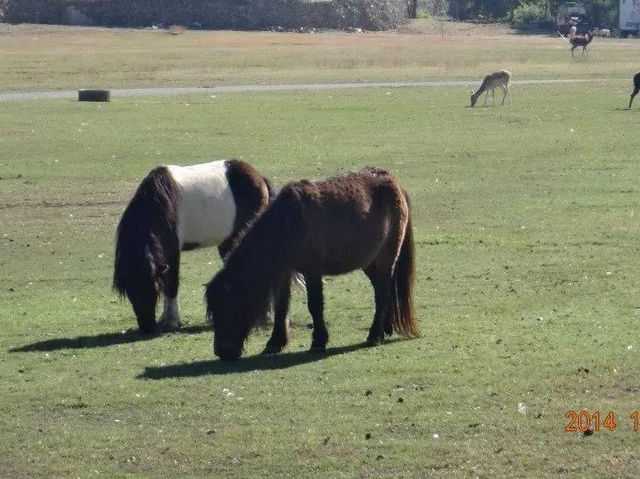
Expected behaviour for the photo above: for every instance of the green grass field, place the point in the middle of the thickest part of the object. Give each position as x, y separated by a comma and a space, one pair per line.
527, 291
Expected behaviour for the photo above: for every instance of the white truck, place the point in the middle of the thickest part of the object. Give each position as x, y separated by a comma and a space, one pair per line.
629, 17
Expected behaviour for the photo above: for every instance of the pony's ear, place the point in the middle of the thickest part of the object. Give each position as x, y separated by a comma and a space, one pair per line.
156, 270
153, 270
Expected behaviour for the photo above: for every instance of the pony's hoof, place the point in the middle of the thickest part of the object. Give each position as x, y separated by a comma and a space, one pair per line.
148, 330
388, 329
318, 349
374, 342
168, 327
270, 350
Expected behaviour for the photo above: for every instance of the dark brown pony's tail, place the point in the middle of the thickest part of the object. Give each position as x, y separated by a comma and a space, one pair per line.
402, 312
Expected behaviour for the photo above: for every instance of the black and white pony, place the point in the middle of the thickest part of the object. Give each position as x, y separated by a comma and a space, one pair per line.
180, 208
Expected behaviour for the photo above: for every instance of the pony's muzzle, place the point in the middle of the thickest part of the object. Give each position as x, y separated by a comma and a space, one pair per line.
147, 327
226, 352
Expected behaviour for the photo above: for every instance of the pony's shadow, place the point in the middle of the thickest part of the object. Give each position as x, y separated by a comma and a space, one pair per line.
214, 367
100, 340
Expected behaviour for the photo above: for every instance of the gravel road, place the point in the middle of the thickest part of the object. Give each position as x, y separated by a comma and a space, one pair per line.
48, 95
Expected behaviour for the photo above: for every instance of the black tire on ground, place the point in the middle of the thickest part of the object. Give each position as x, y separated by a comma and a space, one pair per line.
94, 95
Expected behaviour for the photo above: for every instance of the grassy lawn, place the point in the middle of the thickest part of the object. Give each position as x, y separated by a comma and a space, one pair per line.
526, 244
53, 58
526, 238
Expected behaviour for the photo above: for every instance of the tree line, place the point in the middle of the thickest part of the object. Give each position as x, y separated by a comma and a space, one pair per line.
602, 13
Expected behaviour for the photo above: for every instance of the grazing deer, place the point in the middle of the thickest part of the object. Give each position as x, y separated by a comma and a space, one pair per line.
492, 81
636, 88
581, 42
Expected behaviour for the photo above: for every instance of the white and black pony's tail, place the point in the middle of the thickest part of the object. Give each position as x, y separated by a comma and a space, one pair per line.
146, 235
270, 189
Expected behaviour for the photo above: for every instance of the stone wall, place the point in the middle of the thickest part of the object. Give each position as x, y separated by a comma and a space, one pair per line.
212, 14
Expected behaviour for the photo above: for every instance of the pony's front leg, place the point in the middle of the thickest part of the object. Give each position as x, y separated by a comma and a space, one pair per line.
315, 300
280, 333
170, 318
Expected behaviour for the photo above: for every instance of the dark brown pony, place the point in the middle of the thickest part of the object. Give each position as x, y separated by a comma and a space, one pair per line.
355, 221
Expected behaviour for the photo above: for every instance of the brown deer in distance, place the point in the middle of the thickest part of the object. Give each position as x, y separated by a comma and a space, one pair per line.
492, 81
581, 42
636, 88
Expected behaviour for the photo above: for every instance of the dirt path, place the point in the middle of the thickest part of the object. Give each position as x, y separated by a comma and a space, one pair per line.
48, 95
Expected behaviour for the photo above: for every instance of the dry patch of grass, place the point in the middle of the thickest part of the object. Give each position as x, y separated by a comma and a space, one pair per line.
36, 57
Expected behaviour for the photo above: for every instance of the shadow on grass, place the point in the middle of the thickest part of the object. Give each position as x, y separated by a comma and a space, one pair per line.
100, 340
251, 363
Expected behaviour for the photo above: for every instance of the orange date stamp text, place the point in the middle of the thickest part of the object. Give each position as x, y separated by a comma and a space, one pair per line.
586, 422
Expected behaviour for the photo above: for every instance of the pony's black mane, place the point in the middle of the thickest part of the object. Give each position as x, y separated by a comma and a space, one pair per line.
267, 244
148, 224
264, 252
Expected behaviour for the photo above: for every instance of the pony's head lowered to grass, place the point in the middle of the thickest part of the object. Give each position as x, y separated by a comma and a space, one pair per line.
145, 235
234, 306
240, 294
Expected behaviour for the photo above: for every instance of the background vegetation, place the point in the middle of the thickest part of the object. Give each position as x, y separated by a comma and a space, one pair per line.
525, 13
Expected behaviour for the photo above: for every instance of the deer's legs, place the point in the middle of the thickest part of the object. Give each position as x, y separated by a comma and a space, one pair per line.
633, 94
486, 97
505, 93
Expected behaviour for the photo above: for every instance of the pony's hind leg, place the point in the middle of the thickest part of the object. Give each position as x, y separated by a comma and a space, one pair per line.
381, 282
170, 318
320, 335
280, 333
